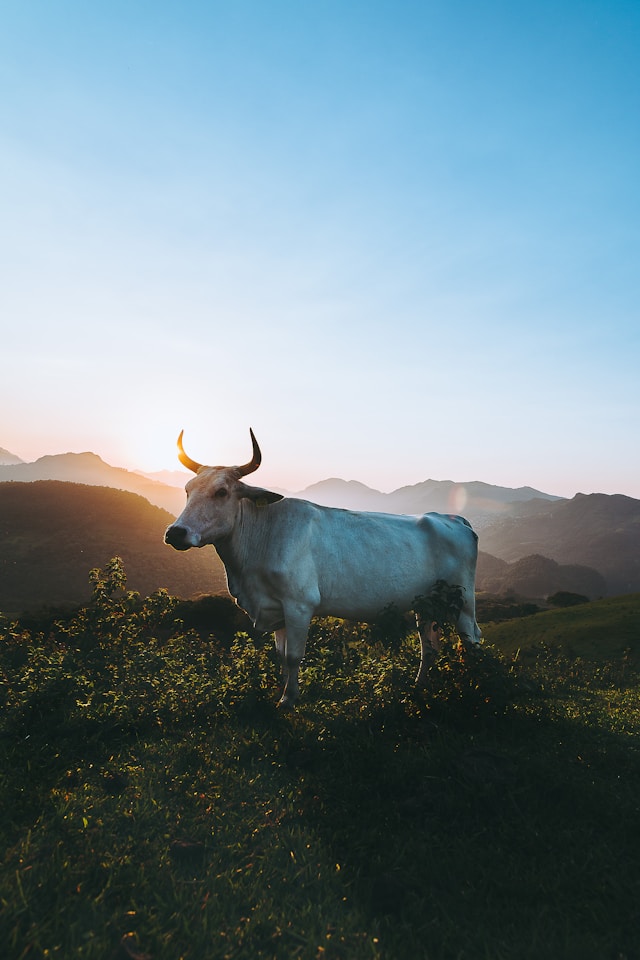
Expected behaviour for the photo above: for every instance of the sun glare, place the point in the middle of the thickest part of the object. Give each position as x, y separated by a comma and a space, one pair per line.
458, 499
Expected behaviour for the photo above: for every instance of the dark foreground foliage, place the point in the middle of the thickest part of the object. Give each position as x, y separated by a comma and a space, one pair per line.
156, 804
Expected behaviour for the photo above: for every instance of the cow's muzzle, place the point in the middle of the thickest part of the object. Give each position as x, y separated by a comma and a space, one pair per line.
177, 537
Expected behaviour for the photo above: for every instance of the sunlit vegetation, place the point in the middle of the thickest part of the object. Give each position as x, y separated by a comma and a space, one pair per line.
157, 804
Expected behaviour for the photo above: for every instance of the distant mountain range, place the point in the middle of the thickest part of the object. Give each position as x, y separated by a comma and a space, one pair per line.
532, 544
597, 530
90, 469
479, 502
7, 458
172, 478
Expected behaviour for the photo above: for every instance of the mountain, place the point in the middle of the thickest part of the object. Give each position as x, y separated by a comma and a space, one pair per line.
536, 577
596, 530
90, 469
52, 533
480, 503
7, 458
597, 534
347, 494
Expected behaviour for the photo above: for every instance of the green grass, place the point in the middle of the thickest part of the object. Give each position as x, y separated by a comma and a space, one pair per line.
600, 631
155, 802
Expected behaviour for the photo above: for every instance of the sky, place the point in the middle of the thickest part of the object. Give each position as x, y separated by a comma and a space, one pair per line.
400, 240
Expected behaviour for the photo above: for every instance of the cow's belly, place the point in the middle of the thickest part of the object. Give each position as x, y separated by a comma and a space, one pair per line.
359, 593
356, 568
368, 606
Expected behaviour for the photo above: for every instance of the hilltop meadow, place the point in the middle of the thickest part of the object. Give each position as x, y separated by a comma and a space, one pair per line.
156, 804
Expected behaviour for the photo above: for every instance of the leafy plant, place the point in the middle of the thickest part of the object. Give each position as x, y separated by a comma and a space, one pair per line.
441, 605
471, 680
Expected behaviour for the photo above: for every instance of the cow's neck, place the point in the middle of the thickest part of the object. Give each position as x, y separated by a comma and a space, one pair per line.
236, 552
236, 549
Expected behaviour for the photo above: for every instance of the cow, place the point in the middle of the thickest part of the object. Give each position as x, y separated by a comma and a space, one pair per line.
288, 560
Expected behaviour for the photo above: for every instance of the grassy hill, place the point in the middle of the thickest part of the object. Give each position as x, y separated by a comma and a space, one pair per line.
603, 630
53, 532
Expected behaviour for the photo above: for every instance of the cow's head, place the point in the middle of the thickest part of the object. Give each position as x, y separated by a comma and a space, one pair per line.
213, 500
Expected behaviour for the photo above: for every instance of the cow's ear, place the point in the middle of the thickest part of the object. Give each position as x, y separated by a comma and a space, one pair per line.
259, 496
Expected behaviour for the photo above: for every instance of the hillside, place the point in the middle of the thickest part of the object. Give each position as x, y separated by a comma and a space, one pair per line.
53, 533
595, 530
156, 804
604, 630
536, 577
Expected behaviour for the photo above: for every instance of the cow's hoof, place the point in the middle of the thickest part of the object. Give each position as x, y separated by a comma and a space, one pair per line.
424, 672
287, 705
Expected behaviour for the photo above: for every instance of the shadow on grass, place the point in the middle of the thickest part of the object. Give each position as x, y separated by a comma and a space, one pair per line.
510, 836
468, 821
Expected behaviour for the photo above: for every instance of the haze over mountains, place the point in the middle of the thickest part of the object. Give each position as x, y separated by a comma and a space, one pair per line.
7, 458
479, 502
90, 469
532, 544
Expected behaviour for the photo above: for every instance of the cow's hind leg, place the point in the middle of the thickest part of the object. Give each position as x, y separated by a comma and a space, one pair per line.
467, 625
430, 642
281, 648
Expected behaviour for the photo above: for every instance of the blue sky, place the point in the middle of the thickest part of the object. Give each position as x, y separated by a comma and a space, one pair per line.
399, 240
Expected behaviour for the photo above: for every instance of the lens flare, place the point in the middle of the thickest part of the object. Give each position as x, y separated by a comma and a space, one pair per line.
458, 499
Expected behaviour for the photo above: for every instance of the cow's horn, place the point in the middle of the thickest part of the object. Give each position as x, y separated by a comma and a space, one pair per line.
184, 459
255, 461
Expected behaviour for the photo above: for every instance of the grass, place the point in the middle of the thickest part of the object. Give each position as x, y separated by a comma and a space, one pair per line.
602, 631
156, 804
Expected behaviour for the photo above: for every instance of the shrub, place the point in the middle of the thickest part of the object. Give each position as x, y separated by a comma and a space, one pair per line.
564, 598
471, 680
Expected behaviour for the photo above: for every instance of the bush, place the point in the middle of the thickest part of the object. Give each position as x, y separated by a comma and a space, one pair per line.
471, 680
564, 598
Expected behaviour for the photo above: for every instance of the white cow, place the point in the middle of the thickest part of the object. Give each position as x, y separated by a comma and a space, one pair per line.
289, 560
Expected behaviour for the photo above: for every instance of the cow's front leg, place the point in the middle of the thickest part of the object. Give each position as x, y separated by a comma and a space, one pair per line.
431, 634
291, 643
281, 648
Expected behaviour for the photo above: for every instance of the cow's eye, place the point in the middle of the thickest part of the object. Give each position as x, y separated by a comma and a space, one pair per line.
222, 493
